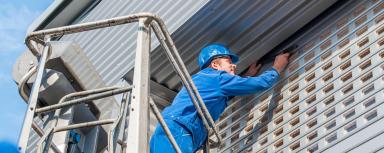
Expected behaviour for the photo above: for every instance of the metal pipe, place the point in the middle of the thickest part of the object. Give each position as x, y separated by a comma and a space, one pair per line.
188, 83
182, 77
84, 99
40, 132
177, 69
122, 144
21, 86
160, 118
111, 135
185, 71
122, 20
206, 147
28, 119
189, 79
123, 121
83, 27
122, 113
83, 125
182, 68
37, 129
86, 93
24, 81
34, 36
41, 148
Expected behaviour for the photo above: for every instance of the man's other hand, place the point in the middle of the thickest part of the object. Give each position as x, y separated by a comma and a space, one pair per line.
281, 61
253, 69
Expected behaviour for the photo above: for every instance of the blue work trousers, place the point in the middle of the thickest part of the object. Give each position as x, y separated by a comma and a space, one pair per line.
160, 143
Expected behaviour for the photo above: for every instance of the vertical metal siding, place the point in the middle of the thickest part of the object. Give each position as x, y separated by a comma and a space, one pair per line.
330, 98
249, 28
111, 50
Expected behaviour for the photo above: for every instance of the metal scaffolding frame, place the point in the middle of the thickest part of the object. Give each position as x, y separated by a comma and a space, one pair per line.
140, 88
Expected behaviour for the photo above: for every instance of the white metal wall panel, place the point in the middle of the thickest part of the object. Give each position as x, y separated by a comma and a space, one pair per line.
331, 93
112, 49
249, 28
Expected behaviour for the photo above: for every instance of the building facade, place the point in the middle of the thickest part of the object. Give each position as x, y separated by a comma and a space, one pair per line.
329, 99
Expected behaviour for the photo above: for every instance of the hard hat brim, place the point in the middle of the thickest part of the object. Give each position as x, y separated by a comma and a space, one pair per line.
234, 59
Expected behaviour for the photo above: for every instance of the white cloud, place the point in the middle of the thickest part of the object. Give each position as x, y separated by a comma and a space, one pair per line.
14, 21
9, 42
16, 17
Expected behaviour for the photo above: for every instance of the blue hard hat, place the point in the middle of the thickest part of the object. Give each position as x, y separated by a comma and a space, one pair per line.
213, 50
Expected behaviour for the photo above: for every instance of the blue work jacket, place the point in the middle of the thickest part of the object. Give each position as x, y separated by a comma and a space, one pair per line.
216, 89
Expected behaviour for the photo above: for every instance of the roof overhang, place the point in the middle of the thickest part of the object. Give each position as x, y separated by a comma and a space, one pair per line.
59, 13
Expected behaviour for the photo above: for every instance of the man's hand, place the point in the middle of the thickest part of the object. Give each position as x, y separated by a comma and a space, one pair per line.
253, 69
281, 61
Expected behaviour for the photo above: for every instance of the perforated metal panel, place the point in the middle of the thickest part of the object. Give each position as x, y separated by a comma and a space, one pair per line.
332, 89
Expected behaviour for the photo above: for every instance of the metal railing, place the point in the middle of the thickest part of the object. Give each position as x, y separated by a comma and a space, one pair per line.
140, 98
95, 94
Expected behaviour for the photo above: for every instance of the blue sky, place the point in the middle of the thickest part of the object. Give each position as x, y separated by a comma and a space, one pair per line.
15, 17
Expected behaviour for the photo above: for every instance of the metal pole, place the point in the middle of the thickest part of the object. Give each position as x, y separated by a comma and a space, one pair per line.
206, 147
181, 75
118, 121
164, 125
84, 99
187, 81
40, 132
87, 92
188, 77
80, 28
122, 144
138, 121
83, 125
184, 71
23, 82
49, 135
121, 128
40, 147
144, 19
28, 119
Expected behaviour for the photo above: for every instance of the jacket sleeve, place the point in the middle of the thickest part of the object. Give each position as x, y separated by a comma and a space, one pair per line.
233, 85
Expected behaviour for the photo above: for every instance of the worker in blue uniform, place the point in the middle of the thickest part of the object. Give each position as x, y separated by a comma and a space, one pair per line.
217, 84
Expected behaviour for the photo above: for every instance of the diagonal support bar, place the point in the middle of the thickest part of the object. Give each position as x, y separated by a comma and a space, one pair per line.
28, 119
160, 118
84, 99
83, 125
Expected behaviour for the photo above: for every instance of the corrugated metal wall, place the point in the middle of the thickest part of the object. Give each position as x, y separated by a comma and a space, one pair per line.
330, 98
250, 28
112, 50
293, 115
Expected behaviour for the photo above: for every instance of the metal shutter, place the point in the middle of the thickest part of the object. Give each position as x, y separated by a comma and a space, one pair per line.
331, 91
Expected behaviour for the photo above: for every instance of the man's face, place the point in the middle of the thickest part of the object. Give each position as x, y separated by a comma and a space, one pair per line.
225, 64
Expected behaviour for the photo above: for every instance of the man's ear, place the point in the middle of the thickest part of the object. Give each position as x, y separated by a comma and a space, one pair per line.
215, 65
